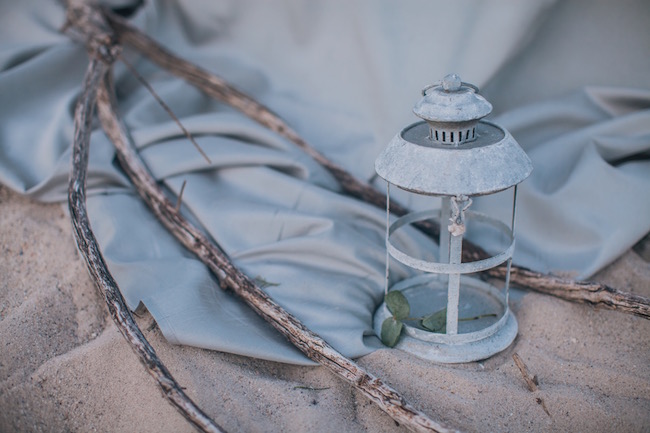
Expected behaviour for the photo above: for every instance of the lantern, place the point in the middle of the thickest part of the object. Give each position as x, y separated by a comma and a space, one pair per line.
455, 155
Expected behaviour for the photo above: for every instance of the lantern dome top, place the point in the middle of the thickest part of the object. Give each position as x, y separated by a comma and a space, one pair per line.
453, 152
451, 100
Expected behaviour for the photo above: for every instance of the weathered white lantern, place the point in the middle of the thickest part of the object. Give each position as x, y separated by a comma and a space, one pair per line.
455, 155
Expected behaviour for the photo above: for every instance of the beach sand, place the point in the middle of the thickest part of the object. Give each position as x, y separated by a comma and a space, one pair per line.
65, 367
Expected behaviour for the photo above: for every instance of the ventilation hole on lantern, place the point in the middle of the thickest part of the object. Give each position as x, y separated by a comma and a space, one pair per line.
466, 134
473, 132
436, 135
452, 137
443, 137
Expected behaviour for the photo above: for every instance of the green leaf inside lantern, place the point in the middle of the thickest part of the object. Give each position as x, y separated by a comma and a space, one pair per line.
390, 331
398, 305
436, 322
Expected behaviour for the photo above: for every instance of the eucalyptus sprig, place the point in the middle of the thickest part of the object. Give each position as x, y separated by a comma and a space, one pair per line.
392, 326
398, 305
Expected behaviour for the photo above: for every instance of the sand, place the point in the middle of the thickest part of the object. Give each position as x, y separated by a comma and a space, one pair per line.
65, 367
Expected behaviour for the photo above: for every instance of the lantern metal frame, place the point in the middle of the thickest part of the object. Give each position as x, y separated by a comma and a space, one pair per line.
455, 155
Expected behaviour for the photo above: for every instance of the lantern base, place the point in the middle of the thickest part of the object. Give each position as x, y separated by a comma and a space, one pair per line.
476, 339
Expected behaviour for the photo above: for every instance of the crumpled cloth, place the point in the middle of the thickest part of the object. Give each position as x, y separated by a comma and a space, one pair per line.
345, 76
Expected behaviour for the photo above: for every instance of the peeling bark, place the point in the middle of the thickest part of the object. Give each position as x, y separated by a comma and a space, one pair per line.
101, 276
100, 42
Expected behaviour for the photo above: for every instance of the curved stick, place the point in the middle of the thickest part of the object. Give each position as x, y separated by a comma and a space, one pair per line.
596, 294
89, 249
231, 277
584, 292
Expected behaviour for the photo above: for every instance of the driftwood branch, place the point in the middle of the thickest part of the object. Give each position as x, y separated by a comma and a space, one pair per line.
232, 278
89, 249
89, 27
597, 294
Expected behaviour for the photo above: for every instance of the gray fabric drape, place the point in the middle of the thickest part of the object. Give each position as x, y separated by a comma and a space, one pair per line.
345, 75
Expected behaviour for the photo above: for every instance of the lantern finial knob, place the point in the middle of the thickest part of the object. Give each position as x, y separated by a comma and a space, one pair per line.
451, 83
452, 109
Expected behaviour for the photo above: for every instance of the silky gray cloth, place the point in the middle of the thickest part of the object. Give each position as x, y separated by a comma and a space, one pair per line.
345, 75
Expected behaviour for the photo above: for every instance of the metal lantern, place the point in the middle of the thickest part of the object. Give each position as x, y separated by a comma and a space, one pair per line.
455, 155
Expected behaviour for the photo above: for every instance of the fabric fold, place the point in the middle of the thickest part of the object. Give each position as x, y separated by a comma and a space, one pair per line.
347, 84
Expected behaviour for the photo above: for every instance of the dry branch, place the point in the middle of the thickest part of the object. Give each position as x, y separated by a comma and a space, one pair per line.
165, 107
88, 24
597, 294
90, 27
89, 249
531, 381
230, 277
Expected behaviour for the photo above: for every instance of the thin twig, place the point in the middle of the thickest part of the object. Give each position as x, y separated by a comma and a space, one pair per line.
311, 388
97, 268
218, 262
596, 294
165, 107
531, 381
179, 200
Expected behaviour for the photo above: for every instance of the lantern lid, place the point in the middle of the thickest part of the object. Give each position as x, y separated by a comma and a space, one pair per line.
453, 152
451, 100
491, 163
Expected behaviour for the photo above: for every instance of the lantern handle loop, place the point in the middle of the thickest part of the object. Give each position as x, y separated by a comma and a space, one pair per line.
439, 83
